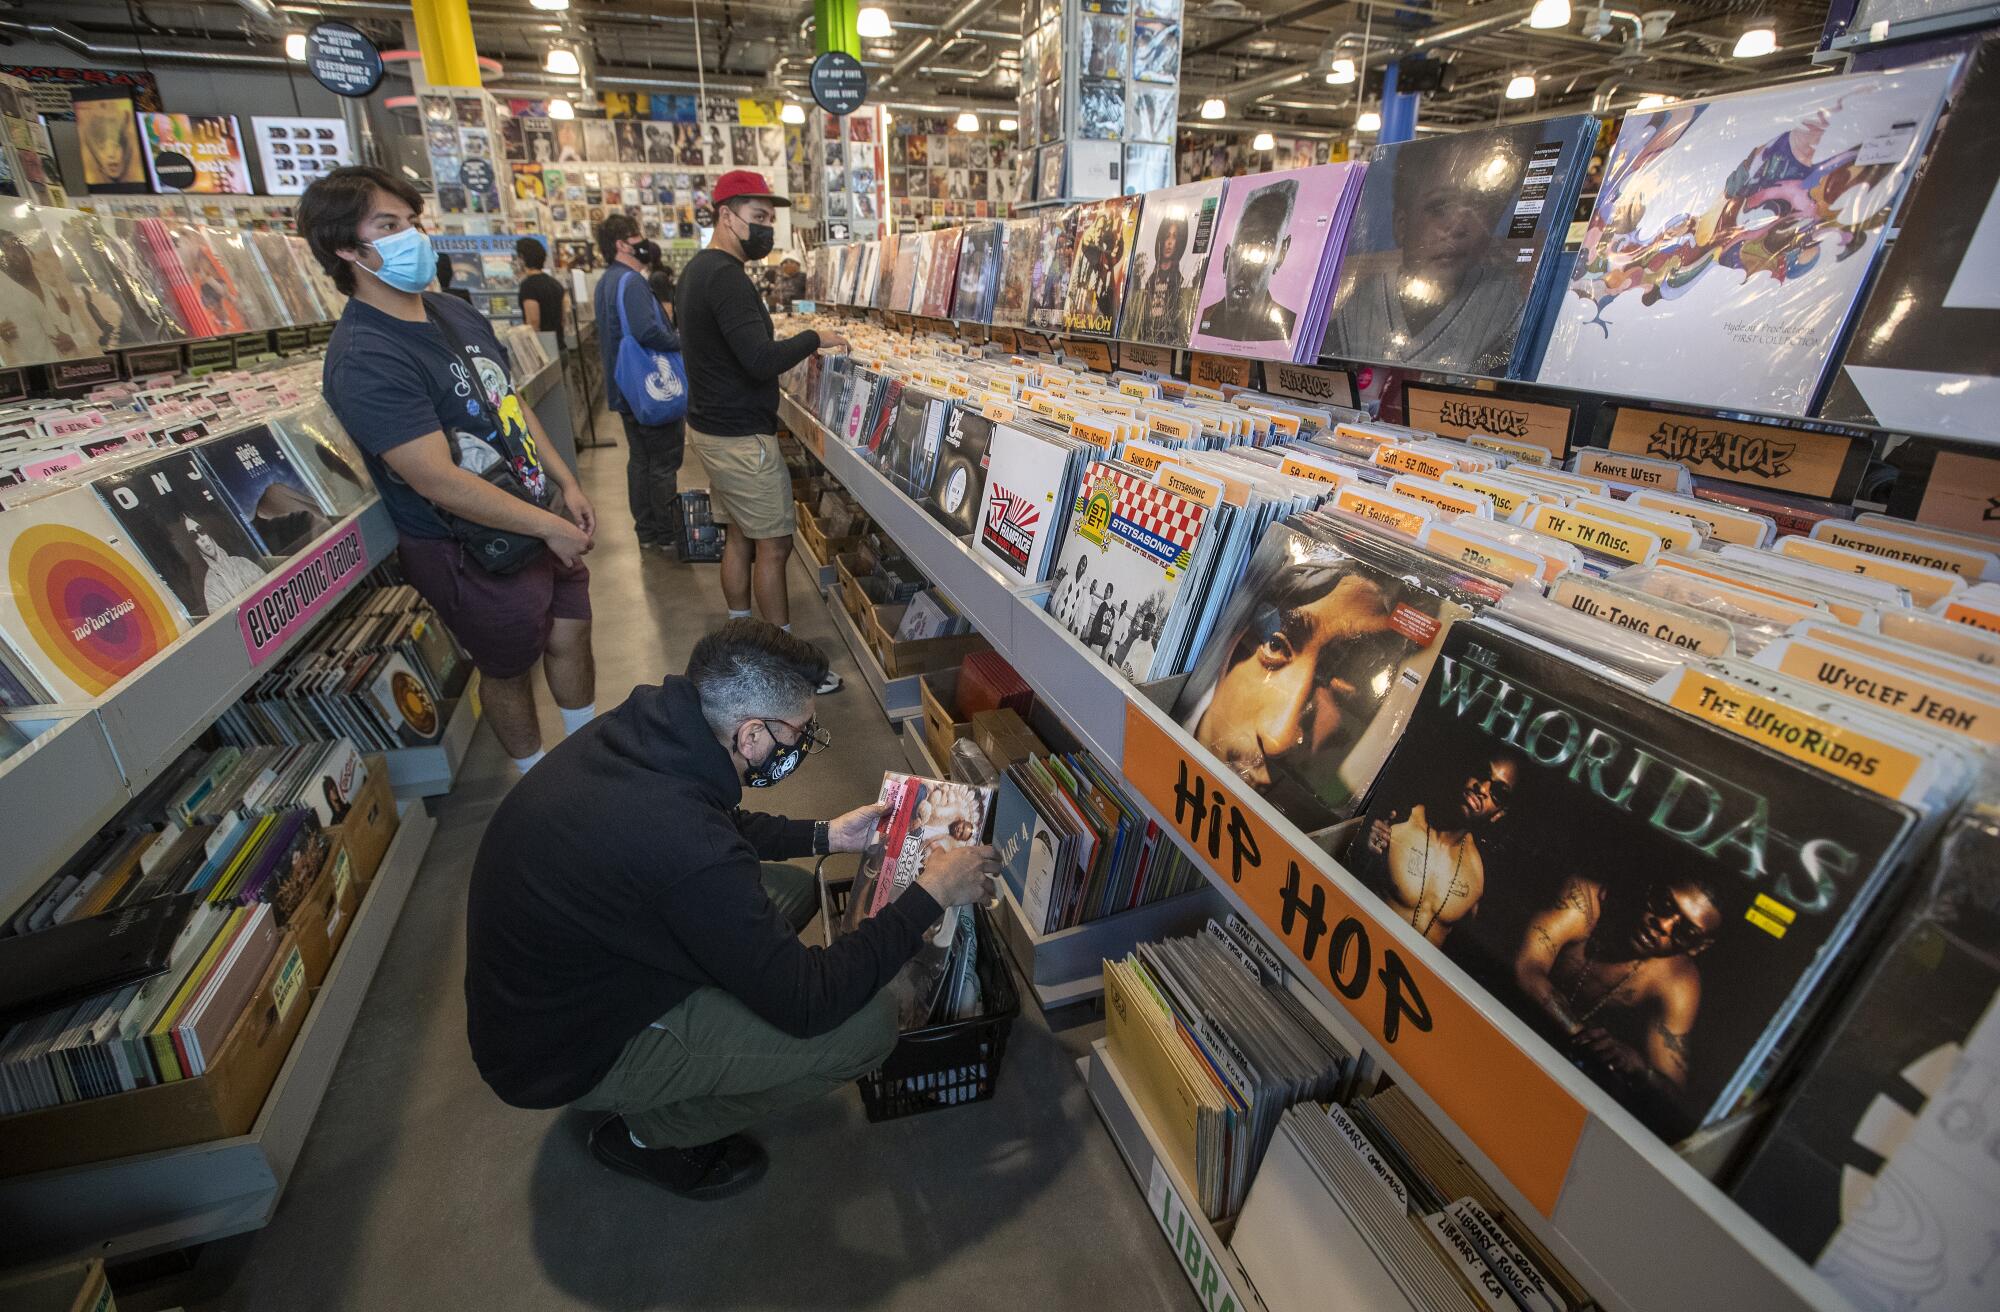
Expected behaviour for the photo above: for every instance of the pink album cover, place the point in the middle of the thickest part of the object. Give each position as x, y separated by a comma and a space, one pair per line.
1276, 230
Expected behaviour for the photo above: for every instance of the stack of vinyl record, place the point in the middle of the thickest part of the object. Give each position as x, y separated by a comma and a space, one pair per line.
380, 670
1076, 846
1216, 1049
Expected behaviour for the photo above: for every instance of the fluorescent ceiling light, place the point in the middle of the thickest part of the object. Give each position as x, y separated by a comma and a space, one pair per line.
562, 61
1010, 124
295, 45
1368, 121
873, 22
549, 6
967, 122
561, 108
1550, 13
1264, 141
1756, 43
1521, 87
1341, 73
1213, 108
1654, 100
790, 113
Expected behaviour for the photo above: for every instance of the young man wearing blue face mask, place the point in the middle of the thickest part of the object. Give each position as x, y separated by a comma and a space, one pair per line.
654, 971
422, 385
733, 361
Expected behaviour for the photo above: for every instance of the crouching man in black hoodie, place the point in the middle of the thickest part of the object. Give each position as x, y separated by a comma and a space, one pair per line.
630, 950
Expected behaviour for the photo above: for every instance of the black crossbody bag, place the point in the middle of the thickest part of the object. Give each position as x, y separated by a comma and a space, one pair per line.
498, 550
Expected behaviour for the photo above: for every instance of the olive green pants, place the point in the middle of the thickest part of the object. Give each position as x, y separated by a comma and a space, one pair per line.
711, 1066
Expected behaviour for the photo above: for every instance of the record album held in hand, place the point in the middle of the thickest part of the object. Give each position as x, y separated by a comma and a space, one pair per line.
1658, 898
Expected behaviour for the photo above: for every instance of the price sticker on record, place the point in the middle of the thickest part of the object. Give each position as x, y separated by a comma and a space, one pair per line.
1452, 1051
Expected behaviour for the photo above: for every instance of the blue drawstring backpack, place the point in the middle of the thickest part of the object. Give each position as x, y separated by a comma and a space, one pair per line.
653, 383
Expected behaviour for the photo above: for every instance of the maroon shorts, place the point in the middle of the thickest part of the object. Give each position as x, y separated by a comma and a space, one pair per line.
502, 620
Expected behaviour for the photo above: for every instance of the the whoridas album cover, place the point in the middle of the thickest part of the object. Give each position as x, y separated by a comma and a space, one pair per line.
1170, 254
1732, 237
924, 817
1657, 897
1097, 277
270, 496
1124, 565
1314, 668
1452, 239
184, 530
960, 475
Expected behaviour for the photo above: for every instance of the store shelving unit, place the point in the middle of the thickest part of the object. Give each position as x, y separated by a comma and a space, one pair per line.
153, 1202
1638, 1226
91, 760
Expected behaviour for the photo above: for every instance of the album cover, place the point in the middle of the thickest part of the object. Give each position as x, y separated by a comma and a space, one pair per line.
1151, 113
81, 610
1100, 110
1934, 371
185, 531
45, 321
405, 703
268, 493
1122, 566
1656, 897
1148, 168
1313, 668
978, 273
960, 476
1049, 111
1733, 236
908, 454
600, 142
1156, 51
1018, 249
1275, 230
1020, 507
1101, 46
1169, 260
119, 310
1055, 255
1097, 274
1455, 240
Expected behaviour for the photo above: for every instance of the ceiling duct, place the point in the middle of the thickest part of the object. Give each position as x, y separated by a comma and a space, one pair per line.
93, 48
924, 46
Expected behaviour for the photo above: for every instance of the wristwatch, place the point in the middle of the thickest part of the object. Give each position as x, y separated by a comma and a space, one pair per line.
822, 837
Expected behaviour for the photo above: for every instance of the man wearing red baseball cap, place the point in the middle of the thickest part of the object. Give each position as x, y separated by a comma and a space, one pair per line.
733, 362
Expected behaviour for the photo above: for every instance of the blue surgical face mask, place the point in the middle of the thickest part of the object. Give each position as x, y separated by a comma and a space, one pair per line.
408, 262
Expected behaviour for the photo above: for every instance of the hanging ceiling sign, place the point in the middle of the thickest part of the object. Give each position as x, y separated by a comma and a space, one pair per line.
839, 83
342, 60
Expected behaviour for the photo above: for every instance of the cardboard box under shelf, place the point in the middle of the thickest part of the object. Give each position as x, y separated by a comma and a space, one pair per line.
218, 1104
1005, 738
850, 567
942, 728
815, 539
916, 655
371, 821
323, 918
77, 1287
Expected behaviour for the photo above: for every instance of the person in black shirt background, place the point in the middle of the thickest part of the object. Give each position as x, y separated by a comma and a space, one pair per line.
733, 363
653, 451
541, 295
632, 945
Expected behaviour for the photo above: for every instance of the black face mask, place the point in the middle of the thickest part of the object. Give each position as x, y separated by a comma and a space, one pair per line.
783, 759
759, 241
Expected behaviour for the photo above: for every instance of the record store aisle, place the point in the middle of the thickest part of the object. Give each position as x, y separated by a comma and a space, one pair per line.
419, 1189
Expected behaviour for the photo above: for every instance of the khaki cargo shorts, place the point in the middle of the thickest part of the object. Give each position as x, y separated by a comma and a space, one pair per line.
749, 488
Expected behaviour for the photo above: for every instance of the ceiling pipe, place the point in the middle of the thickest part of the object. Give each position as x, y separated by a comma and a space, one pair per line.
1258, 87
91, 48
921, 48
1609, 89
1290, 16
263, 17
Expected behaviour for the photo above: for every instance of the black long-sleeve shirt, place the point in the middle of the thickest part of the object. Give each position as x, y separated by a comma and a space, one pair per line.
617, 878
733, 358
649, 324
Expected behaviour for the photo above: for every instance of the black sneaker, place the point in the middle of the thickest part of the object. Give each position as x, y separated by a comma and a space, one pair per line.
714, 1170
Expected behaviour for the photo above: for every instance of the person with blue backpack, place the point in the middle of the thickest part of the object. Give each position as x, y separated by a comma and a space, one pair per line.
645, 383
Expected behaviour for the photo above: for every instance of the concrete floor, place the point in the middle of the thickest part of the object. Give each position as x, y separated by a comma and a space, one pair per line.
418, 1188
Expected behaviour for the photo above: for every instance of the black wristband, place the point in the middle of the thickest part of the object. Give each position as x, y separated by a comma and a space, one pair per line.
822, 837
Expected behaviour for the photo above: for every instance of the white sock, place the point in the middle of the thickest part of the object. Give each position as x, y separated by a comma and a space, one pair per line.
637, 1142
527, 763
739, 614
575, 718
786, 627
